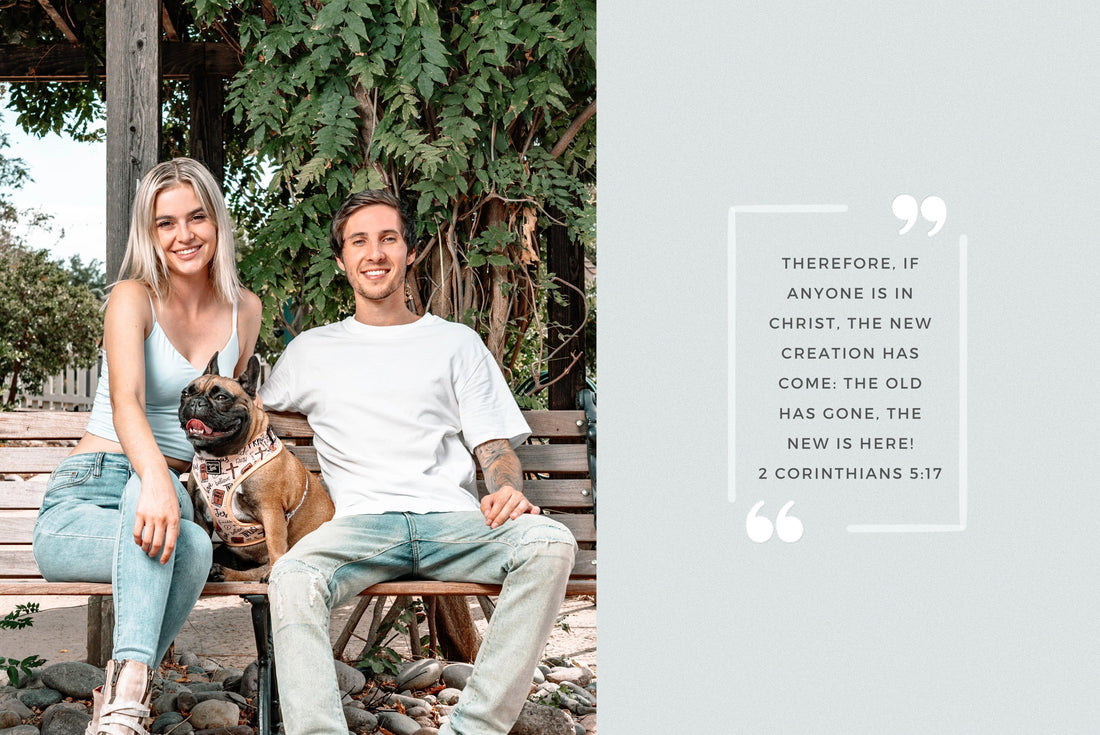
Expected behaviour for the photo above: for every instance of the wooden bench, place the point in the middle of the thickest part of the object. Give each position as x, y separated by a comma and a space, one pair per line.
559, 463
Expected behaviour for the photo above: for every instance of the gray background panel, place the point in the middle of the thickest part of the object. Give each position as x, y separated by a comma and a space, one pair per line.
993, 108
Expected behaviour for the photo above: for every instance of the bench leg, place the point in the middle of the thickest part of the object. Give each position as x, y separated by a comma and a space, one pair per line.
267, 691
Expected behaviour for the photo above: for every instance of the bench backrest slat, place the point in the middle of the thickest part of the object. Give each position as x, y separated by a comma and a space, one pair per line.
560, 484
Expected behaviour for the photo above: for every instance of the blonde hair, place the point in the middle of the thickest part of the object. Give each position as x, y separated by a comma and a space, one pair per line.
144, 260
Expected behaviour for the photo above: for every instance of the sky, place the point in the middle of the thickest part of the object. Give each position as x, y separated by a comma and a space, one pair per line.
69, 183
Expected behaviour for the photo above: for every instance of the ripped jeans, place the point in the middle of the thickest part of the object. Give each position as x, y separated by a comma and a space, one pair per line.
85, 533
532, 556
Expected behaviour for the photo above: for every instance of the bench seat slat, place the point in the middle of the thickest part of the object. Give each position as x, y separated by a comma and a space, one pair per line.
17, 563
18, 529
409, 587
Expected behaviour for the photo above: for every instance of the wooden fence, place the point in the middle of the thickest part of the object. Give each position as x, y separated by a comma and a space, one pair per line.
74, 390
71, 390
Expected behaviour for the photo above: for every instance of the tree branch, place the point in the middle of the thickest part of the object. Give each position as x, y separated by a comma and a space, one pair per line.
572, 130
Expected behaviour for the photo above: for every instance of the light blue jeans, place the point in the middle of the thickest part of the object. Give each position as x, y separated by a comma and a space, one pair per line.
85, 533
531, 556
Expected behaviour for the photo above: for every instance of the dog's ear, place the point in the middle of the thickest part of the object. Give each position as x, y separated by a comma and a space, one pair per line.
250, 378
212, 366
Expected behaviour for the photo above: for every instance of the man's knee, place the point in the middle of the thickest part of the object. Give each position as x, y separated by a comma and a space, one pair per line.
298, 591
546, 542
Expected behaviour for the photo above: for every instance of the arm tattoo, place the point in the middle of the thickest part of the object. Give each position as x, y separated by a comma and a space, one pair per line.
499, 465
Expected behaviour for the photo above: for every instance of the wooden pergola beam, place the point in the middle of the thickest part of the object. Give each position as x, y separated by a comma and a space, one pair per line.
58, 21
65, 62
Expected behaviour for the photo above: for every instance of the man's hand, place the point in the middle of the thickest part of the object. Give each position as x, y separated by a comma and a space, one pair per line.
505, 503
504, 478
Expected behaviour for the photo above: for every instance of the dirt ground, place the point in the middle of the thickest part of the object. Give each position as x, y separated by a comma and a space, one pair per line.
220, 628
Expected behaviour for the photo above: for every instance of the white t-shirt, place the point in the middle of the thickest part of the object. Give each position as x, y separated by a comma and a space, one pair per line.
396, 411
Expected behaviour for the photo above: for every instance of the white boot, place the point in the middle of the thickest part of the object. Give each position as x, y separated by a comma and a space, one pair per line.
97, 705
125, 698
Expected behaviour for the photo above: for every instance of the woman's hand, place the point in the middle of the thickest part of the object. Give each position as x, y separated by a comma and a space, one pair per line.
157, 523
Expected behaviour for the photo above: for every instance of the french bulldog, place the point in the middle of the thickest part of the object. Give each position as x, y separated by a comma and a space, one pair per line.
244, 483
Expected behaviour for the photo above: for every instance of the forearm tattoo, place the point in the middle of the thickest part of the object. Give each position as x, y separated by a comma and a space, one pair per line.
499, 465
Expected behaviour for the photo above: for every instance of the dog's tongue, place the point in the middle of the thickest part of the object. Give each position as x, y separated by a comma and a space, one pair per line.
194, 426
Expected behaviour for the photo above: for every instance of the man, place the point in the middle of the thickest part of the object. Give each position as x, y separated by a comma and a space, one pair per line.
397, 402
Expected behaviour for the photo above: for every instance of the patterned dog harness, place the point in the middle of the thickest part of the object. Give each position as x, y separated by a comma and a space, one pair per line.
218, 480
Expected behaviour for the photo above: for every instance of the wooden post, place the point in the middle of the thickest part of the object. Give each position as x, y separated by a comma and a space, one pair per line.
101, 629
565, 259
206, 137
133, 112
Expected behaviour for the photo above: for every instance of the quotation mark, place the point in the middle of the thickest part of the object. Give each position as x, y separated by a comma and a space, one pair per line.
760, 529
932, 209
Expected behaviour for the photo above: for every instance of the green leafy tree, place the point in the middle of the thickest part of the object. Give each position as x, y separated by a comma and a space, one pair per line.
92, 274
13, 174
51, 317
49, 323
479, 114
476, 113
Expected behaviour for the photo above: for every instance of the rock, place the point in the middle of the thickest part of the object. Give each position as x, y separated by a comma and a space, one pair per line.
538, 677
165, 722
218, 695
196, 673
349, 679
229, 677
569, 673
9, 719
188, 659
578, 729
456, 675
32, 682
206, 686
185, 701
420, 674
417, 712
449, 695
398, 723
240, 701
538, 719
235, 730
250, 679
11, 703
215, 713
406, 701
359, 720
167, 702
39, 698
21, 730
74, 679
580, 693
65, 718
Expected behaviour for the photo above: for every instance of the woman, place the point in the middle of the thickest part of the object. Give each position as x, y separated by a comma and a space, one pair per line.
115, 510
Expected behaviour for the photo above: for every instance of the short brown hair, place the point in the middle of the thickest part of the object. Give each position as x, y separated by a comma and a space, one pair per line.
365, 198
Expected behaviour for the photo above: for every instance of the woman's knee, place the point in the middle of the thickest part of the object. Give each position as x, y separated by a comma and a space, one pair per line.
193, 547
